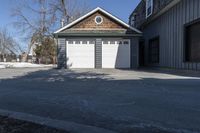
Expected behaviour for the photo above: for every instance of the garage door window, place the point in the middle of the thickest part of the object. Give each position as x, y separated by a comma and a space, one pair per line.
91, 42
112, 42
77, 42
126, 42
84, 42
120, 42
105, 42
70, 42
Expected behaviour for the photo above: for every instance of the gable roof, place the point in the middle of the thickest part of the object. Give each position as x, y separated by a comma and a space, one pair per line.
96, 10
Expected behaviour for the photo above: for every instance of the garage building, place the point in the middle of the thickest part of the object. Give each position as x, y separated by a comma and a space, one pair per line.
98, 40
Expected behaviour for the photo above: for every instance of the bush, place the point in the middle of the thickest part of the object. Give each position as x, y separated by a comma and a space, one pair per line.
46, 52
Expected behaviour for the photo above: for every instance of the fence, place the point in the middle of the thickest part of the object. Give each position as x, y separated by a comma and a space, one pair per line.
25, 58
16, 58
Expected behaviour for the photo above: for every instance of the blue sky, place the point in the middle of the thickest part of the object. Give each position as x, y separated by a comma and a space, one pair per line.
120, 8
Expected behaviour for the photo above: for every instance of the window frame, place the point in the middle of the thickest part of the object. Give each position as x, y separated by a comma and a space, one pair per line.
133, 19
100, 17
150, 51
147, 8
185, 47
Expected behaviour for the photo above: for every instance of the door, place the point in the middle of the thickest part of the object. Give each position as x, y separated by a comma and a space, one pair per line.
116, 54
80, 53
141, 53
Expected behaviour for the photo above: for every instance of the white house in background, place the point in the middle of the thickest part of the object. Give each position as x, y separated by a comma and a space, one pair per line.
32, 48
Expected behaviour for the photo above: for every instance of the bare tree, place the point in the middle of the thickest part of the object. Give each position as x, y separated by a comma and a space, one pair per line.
37, 19
67, 10
8, 45
42, 17
32, 20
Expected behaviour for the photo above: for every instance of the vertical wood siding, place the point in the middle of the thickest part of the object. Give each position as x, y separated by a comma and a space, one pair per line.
98, 53
135, 52
61, 53
170, 28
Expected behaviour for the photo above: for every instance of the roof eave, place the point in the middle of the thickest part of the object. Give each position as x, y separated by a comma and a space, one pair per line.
95, 34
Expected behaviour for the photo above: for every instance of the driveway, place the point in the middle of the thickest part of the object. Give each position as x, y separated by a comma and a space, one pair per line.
120, 100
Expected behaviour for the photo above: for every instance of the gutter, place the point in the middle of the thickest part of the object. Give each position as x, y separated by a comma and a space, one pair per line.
95, 35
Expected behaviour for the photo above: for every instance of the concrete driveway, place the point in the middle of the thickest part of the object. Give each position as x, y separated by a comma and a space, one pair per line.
120, 100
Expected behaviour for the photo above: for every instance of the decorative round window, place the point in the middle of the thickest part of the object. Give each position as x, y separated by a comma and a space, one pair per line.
98, 20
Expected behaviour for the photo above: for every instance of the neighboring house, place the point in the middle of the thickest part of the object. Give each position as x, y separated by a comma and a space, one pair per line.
35, 41
98, 40
32, 49
171, 33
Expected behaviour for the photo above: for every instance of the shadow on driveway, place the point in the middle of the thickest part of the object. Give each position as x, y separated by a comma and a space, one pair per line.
96, 98
177, 72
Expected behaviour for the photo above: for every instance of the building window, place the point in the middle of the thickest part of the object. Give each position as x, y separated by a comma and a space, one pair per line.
149, 8
192, 42
154, 50
98, 20
133, 19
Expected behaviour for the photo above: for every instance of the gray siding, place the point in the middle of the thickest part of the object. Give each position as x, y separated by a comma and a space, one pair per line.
134, 53
98, 53
61, 53
170, 28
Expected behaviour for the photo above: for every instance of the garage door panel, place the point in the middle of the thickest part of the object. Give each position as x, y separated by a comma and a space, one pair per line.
116, 55
80, 55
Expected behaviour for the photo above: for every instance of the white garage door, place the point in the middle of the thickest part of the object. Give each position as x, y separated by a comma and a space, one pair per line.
80, 54
116, 54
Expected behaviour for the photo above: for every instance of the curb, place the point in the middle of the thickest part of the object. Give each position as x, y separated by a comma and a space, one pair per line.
59, 124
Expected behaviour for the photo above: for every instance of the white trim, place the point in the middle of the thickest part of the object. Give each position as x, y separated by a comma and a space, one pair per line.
147, 2
86, 29
105, 12
98, 22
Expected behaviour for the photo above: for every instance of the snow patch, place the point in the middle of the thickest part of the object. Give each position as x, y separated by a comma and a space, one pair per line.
2, 66
21, 65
